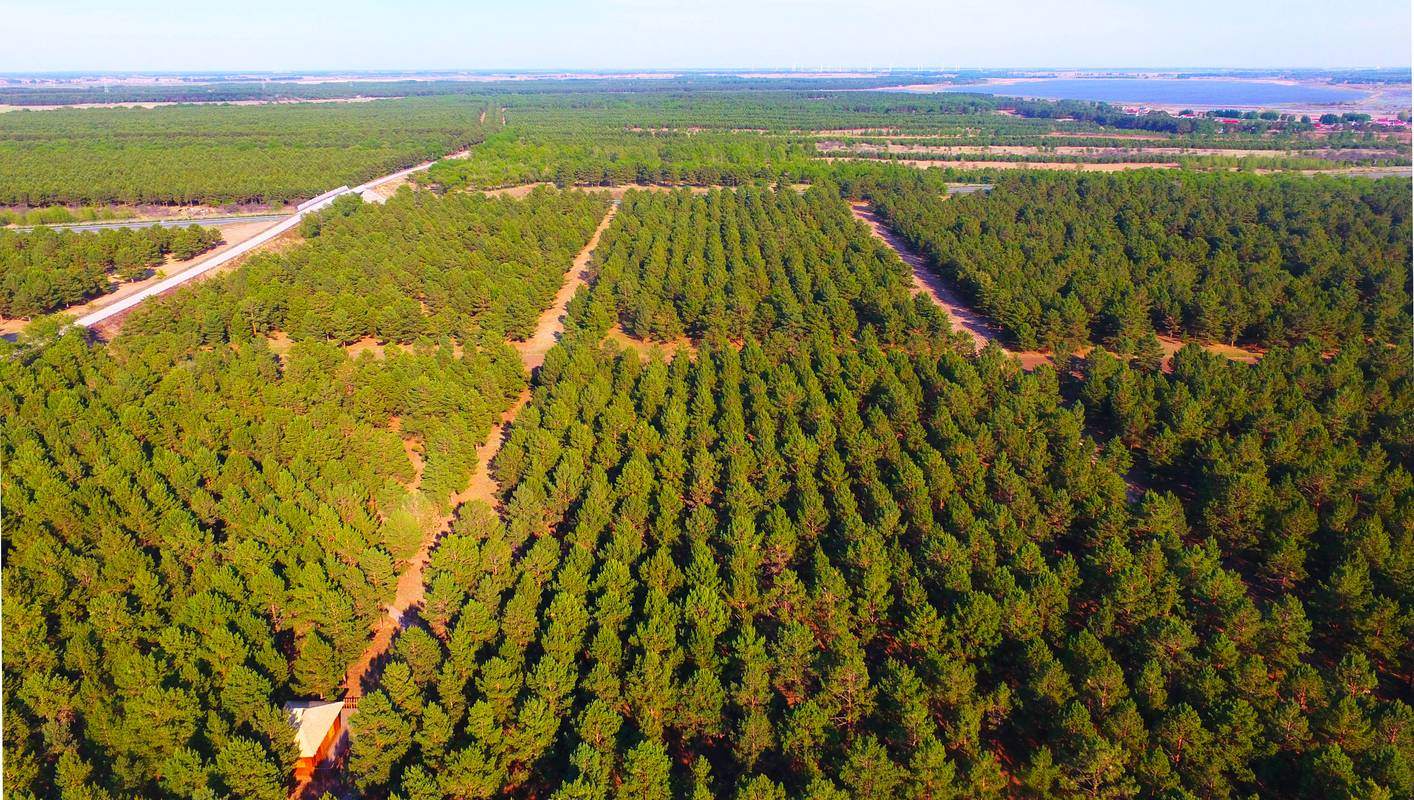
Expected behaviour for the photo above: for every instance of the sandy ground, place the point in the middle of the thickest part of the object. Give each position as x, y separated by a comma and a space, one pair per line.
482, 486
552, 320
1098, 150
964, 318
616, 191
380, 350
233, 234
156, 213
650, 350
512, 191
1139, 137
1365, 172
388, 189
1117, 166
157, 104
279, 343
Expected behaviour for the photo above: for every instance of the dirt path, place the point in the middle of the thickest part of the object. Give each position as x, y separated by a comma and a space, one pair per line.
981, 328
552, 320
616, 191
482, 486
964, 318
410, 585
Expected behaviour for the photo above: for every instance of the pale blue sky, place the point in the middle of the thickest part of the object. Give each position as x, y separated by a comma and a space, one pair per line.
620, 34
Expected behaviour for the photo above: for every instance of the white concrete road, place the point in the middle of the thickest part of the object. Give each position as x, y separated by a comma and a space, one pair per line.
203, 267
284, 224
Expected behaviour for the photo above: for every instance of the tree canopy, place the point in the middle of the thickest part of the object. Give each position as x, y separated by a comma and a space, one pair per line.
44, 269
198, 527
1062, 258
849, 557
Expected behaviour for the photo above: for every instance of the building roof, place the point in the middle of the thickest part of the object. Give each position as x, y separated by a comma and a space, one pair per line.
312, 720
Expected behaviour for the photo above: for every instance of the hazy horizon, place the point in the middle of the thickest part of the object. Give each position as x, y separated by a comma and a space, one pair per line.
669, 71
616, 35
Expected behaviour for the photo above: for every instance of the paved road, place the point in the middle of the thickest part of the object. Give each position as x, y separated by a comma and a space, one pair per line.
285, 223
184, 222
209, 264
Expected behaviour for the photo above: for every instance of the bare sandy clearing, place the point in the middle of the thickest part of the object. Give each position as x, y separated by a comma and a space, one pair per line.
162, 103
647, 350
1139, 137
1117, 166
1100, 150
146, 212
964, 319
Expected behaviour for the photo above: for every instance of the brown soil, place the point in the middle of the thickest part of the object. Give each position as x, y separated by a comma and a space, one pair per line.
650, 350
144, 212
1141, 137
513, 191
279, 344
1365, 172
367, 344
616, 191
386, 190
160, 103
1096, 150
552, 319
1118, 166
964, 318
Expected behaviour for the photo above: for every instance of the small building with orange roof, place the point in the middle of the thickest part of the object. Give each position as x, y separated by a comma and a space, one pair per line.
318, 726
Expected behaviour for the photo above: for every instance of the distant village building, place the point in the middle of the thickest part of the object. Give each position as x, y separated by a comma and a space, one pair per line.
318, 726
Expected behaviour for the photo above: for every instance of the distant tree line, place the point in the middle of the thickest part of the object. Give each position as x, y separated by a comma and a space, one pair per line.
595, 158
216, 155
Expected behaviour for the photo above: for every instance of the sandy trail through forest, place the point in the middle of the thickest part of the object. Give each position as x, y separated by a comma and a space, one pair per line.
980, 327
552, 320
482, 486
964, 318
616, 191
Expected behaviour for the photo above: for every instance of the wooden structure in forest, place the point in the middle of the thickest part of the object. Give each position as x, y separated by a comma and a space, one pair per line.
318, 726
